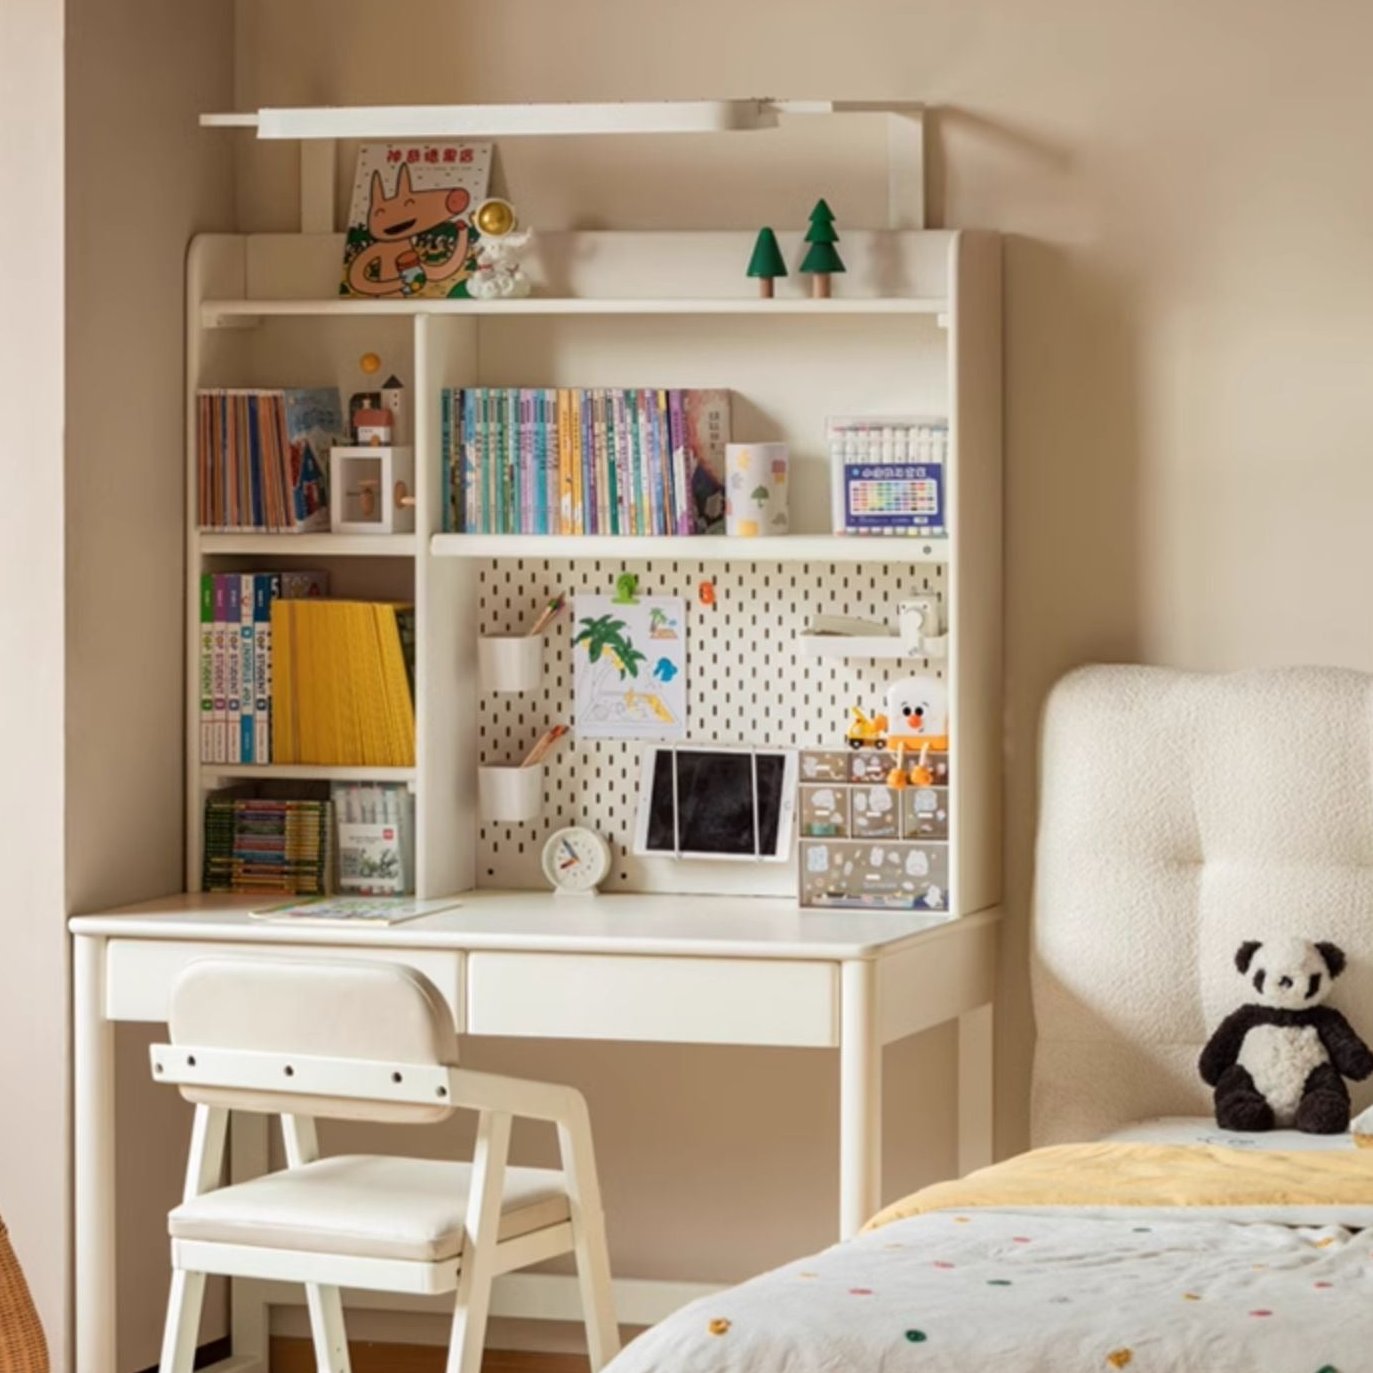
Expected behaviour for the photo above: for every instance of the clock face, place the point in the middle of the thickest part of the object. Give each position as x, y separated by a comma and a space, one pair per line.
576, 859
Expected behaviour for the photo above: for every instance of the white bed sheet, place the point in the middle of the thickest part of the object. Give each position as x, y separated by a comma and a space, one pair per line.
994, 1292
1204, 1130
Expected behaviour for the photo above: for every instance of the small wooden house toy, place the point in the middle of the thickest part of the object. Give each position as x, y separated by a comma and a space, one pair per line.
373, 490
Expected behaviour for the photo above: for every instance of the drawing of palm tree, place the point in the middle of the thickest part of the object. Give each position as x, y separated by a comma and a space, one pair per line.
605, 638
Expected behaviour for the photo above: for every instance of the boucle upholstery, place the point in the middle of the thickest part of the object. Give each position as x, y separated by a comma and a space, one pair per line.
1181, 814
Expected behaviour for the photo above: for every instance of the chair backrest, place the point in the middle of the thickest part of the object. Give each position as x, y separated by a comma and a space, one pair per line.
379, 1017
1182, 814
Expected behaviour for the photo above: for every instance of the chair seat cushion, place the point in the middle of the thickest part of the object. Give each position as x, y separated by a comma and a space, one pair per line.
369, 1206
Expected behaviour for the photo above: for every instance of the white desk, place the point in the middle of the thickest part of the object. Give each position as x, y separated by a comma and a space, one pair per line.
678, 969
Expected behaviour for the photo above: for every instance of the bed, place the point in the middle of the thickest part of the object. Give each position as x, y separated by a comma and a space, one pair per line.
1180, 815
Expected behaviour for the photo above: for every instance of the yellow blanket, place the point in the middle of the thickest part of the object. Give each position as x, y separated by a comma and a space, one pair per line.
1151, 1175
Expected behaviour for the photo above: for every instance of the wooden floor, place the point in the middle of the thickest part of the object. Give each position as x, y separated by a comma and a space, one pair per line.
296, 1356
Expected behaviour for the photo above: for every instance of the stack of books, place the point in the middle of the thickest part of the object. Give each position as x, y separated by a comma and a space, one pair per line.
263, 458
269, 846
584, 461
236, 659
343, 683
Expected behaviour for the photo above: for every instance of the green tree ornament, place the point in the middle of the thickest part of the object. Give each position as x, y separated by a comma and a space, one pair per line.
821, 257
766, 262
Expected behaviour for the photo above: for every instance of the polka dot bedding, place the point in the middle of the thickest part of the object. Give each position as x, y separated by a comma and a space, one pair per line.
1047, 1293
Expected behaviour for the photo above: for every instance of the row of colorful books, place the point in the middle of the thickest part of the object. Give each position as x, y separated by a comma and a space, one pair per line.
257, 844
584, 460
236, 659
343, 689
263, 457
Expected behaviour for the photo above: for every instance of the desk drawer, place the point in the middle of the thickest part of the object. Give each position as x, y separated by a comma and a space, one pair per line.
140, 972
670, 1000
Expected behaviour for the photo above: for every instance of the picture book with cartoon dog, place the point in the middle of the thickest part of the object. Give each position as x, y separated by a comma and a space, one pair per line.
409, 224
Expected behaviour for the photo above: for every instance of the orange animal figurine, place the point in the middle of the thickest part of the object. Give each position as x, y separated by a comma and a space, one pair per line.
396, 263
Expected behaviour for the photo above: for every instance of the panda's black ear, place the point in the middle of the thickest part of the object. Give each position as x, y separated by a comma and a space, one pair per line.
1333, 955
1244, 955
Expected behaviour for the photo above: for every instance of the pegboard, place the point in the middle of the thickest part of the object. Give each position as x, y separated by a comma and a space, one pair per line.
747, 683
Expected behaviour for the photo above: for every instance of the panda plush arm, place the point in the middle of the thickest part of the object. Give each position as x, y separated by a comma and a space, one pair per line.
1350, 1055
1222, 1050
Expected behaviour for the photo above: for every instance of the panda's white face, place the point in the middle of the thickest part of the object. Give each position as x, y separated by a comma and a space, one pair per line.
1289, 974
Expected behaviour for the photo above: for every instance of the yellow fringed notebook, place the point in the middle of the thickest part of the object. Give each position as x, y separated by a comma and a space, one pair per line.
343, 692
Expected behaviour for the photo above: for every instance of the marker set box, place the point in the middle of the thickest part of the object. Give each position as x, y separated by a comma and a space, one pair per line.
887, 474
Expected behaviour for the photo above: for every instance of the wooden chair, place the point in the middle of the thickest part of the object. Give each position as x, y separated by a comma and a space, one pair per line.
365, 1041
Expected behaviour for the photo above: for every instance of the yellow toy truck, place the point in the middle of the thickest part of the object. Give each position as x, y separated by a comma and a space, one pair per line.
866, 729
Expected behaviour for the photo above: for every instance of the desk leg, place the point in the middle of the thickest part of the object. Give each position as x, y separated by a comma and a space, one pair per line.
860, 1097
93, 1161
976, 1086
248, 1310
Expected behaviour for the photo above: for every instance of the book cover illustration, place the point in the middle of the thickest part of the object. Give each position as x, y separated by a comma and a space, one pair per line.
314, 424
629, 667
704, 431
409, 221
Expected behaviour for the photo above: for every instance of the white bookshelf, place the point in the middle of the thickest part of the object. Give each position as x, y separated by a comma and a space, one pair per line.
915, 328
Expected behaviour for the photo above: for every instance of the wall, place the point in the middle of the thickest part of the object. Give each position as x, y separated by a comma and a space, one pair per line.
141, 179
33, 1034
1189, 342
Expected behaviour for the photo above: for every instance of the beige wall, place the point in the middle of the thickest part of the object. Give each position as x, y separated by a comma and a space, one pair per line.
141, 179
33, 982
1189, 356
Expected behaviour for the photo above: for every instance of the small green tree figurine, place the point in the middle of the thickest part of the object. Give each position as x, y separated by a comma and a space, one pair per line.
821, 257
766, 262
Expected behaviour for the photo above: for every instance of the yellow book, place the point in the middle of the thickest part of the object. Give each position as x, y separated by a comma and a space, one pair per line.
569, 483
400, 707
307, 682
285, 744
379, 751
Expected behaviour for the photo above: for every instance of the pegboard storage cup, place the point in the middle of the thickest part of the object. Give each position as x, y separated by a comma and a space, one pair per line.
510, 662
756, 489
510, 795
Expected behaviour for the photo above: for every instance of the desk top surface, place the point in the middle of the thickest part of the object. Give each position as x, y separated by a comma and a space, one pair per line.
682, 926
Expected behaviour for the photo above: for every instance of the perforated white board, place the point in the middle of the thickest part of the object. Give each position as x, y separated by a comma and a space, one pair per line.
748, 683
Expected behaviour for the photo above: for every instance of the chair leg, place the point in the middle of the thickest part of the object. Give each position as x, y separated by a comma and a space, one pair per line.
183, 1322
588, 1239
326, 1328
597, 1294
475, 1276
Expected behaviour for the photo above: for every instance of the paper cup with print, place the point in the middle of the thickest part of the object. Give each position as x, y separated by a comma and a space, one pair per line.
756, 489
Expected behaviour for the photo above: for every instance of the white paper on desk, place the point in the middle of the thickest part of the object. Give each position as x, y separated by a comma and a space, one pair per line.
629, 667
352, 910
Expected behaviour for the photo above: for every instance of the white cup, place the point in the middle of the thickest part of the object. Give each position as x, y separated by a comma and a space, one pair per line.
510, 662
510, 795
756, 489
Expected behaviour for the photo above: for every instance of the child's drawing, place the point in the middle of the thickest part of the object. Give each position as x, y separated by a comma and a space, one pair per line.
629, 667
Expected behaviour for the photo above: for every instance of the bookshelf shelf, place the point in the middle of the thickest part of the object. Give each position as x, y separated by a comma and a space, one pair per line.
301, 772
216, 314
308, 545
835, 548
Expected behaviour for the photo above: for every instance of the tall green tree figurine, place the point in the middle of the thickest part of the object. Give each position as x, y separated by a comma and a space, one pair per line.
821, 257
766, 262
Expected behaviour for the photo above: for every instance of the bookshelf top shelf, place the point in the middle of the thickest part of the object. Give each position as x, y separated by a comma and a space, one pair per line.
221, 313
836, 548
540, 119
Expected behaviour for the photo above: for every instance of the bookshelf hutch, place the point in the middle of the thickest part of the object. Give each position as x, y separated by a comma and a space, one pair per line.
913, 328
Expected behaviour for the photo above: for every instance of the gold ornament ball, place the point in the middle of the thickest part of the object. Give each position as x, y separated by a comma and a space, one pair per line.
370, 363
495, 217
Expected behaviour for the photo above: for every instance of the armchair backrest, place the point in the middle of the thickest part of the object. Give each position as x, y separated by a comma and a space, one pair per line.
349, 1039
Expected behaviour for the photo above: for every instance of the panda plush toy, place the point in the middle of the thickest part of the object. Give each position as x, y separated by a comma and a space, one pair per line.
1282, 1058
